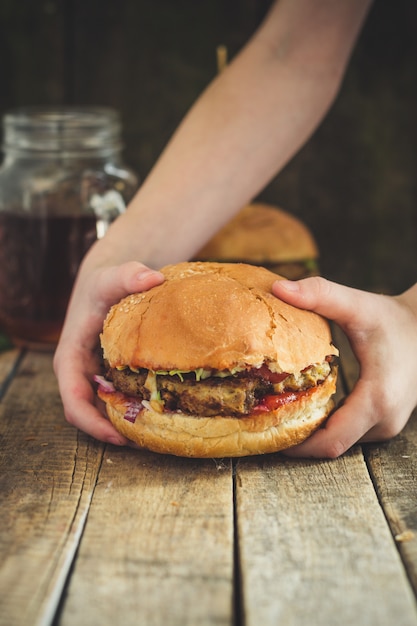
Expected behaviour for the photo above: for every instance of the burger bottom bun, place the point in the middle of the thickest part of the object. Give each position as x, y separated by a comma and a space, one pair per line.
216, 437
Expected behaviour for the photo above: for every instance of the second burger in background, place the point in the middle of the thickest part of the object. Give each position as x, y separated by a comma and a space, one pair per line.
262, 234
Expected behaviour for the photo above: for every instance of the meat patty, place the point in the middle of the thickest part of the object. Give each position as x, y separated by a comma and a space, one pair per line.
212, 396
129, 382
231, 395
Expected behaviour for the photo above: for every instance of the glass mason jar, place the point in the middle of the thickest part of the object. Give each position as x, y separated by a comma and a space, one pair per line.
62, 182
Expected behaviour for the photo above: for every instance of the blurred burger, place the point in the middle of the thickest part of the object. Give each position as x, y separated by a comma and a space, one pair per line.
262, 234
211, 364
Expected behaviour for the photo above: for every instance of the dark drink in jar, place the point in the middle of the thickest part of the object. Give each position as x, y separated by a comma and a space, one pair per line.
39, 259
61, 184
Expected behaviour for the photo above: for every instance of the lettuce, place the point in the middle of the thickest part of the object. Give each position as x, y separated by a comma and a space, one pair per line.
200, 373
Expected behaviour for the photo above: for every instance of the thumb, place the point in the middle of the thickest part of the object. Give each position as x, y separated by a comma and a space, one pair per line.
119, 281
336, 302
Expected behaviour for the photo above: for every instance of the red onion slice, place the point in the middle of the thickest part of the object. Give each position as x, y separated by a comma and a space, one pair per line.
104, 384
133, 409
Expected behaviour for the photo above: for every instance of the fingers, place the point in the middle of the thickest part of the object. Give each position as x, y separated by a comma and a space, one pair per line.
117, 282
366, 415
94, 294
92, 422
345, 427
336, 302
74, 371
366, 412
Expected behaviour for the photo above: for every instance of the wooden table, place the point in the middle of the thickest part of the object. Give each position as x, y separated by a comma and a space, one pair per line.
97, 535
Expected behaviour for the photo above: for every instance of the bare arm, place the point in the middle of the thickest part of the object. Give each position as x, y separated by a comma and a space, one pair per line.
244, 128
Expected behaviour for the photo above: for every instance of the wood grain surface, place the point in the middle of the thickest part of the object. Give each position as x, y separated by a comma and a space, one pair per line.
315, 548
158, 547
93, 534
48, 471
393, 468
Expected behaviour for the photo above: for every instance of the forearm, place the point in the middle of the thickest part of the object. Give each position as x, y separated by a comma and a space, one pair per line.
243, 129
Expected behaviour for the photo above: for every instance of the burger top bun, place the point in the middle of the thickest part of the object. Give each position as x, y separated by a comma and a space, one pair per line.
261, 233
215, 316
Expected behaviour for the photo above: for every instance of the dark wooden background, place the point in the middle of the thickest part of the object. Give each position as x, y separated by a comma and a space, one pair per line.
353, 182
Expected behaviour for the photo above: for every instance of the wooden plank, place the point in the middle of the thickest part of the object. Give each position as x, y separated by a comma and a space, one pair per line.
315, 547
158, 545
394, 470
48, 472
8, 362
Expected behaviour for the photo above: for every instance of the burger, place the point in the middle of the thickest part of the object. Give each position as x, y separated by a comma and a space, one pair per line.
211, 364
262, 234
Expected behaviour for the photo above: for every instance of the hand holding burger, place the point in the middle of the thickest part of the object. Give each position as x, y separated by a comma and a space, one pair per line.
382, 331
211, 364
